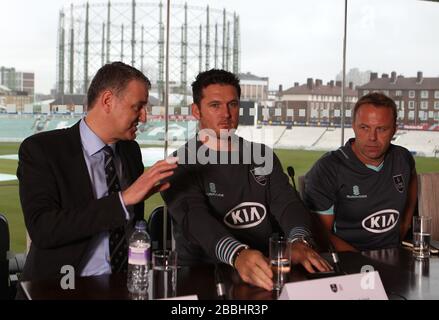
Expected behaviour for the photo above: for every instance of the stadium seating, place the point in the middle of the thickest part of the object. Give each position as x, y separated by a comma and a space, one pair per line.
15, 128
331, 139
421, 143
300, 137
268, 135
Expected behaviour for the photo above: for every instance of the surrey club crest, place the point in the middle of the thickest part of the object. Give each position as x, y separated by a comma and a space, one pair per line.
259, 176
399, 183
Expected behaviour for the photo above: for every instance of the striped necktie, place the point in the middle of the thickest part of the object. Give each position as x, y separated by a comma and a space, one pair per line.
118, 244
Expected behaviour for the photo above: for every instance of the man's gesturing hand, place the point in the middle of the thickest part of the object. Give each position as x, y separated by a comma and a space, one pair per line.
150, 182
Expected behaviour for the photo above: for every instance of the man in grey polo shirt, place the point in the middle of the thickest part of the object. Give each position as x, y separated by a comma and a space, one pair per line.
365, 192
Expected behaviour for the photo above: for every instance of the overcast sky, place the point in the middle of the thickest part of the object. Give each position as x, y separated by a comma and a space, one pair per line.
285, 40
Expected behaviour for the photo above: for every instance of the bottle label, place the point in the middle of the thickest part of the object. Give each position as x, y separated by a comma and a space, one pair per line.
138, 256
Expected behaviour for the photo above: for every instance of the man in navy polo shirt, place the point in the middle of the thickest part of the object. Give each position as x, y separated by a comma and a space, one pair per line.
365, 192
229, 195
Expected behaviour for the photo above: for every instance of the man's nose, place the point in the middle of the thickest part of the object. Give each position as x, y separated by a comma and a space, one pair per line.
372, 135
142, 115
226, 111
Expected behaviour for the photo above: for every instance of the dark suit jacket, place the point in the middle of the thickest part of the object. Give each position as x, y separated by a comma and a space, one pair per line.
59, 208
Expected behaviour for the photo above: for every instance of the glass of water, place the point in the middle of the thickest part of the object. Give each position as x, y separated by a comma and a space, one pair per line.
421, 237
164, 274
280, 260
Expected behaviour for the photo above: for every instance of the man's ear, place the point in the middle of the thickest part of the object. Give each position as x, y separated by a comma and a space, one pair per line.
106, 99
196, 111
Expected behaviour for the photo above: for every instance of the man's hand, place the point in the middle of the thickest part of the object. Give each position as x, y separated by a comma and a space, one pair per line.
150, 182
254, 269
308, 258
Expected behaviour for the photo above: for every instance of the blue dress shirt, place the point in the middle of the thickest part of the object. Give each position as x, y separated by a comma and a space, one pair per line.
97, 261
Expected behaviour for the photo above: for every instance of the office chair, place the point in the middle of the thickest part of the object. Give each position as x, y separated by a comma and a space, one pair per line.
320, 234
11, 265
155, 228
4, 262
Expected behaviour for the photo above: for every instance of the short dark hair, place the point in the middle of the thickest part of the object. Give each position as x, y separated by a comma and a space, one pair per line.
378, 100
213, 76
115, 76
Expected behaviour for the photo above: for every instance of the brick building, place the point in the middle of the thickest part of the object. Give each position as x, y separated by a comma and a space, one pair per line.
313, 103
17, 80
13, 100
253, 88
417, 98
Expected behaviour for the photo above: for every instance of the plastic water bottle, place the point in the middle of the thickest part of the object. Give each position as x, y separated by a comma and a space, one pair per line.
138, 260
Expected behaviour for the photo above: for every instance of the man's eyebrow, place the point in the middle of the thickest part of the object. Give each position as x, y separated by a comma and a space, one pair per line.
219, 101
139, 104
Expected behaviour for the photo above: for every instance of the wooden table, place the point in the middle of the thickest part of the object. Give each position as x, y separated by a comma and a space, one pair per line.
403, 278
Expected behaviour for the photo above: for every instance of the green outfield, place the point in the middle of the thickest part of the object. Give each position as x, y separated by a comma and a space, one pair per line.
10, 205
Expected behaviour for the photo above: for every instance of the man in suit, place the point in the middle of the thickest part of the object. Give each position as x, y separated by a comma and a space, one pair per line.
70, 207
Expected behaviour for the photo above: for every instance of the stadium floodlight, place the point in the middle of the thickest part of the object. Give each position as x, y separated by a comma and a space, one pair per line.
168, 27
343, 85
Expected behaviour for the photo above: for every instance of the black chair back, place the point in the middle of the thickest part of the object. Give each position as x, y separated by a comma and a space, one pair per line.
320, 234
4, 262
155, 228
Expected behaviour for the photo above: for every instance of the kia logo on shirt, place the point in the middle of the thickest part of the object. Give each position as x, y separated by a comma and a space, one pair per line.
381, 221
245, 215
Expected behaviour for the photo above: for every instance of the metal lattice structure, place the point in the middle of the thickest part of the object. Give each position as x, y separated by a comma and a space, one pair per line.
92, 34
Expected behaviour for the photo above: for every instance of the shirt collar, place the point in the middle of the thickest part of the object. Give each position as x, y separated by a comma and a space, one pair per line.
348, 147
90, 141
